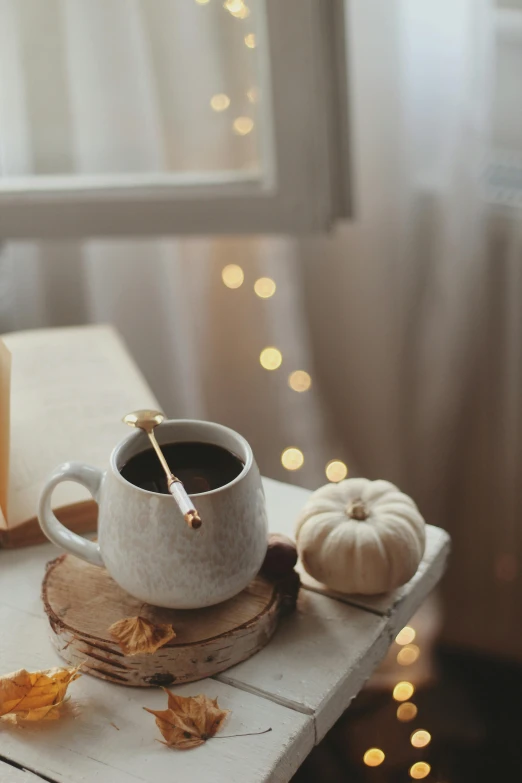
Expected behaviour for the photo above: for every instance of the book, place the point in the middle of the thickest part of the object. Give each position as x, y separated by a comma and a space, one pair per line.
63, 393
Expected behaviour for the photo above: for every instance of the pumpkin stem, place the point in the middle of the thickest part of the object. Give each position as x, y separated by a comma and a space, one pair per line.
358, 511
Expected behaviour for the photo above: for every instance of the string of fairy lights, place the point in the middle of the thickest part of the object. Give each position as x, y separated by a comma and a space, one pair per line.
271, 359
220, 102
407, 710
292, 457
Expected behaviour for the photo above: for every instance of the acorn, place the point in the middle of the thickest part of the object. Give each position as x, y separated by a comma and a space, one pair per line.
281, 556
289, 588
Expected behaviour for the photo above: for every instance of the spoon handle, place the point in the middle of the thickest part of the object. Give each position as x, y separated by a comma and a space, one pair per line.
176, 488
186, 506
161, 457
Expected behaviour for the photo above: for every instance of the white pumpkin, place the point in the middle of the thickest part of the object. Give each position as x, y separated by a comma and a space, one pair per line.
360, 536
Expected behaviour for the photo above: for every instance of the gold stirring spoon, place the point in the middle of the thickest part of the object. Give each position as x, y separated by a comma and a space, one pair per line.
146, 420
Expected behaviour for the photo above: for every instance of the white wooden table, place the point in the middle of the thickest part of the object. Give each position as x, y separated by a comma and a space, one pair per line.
298, 685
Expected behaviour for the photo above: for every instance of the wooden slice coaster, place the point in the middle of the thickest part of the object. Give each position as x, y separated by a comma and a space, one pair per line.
82, 602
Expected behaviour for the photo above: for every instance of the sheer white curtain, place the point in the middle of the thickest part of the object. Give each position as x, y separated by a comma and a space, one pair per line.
94, 86
406, 317
403, 325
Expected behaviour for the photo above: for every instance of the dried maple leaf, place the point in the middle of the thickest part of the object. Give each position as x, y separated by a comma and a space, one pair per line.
137, 635
34, 695
189, 721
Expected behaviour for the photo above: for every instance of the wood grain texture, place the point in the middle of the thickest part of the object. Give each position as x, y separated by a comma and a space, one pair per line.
21, 574
334, 648
10, 774
82, 602
318, 659
105, 736
299, 684
335, 641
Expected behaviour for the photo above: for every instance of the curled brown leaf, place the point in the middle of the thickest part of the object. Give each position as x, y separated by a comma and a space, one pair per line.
137, 635
189, 721
34, 695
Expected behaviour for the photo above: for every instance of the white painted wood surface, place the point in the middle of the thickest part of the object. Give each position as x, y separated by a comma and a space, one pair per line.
10, 774
284, 503
84, 745
334, 646
317, 661
333, 650
298, 685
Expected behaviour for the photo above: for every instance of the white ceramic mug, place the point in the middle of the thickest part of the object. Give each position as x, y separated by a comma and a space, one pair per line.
143, 540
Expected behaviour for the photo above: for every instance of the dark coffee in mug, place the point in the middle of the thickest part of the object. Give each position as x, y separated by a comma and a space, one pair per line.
200, 466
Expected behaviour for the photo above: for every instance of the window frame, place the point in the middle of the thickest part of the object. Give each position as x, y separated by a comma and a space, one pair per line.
305, 181
503, 166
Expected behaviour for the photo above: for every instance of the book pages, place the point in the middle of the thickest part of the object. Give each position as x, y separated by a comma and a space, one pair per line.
70, 388
5, 386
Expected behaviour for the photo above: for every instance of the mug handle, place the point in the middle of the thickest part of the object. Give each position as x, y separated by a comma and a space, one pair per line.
91, 478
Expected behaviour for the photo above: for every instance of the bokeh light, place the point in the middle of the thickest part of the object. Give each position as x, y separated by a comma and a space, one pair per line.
408, 655
237, 8
220, 101
233, 6
406, 711
420, 770
406, 636
403, 691
250, 41
292, 458
336, 470
420, 738
270, 358
252, 95
232, 276
243, 125
265, 287
299, 380
373, 757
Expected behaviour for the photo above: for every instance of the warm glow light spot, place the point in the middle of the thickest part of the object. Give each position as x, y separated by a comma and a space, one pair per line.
420, 770
202, 2
252, 95
232, 276
243, 125
220, 102
265, 287
270, 358
292, 458
299, 381
336, 470
408, 655
403, 691
373, 757
406, 636
406, 711
250, 41
420, 738
233, 6
237, 8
